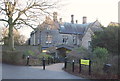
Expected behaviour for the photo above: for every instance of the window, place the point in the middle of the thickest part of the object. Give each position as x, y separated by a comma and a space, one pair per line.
74, 39
89, 43
38, 41
49, 27
49, 39
65, 39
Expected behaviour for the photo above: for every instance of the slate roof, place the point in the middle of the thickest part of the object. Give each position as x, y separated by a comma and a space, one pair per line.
69, 28
65, 46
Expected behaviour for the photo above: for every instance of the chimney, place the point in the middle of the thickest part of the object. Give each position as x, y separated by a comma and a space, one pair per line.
55, 16
72, 19
60, 20
76, 21
84, 19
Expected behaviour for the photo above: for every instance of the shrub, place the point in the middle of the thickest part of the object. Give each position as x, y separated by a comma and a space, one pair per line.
29, 53
79, 53
100, 53
99, 58
82, 50
44, 55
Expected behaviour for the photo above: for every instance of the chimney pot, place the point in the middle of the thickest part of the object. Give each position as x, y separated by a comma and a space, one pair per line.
55, 16
84, 19
76, 21
60, 20
72, 19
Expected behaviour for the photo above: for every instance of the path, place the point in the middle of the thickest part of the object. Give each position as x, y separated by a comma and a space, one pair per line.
35, 72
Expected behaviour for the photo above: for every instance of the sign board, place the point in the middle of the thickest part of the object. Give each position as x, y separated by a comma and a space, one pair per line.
85, 62
44, 51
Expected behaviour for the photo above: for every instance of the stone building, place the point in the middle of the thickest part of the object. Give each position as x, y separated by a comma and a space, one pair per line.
64, 34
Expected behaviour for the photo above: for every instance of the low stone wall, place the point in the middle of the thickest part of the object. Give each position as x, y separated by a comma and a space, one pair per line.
16, 57
13, 57
23, 48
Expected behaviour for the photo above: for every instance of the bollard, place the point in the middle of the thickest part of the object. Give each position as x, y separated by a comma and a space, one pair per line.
48, 60
73, 63
65, 63
28, 60
43, 63
80, 66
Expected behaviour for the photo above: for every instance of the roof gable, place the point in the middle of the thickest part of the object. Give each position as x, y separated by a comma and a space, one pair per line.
96, 26
49, 23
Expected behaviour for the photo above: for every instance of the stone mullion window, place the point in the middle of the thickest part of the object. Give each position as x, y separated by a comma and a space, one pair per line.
65, 39
49, 39
74, 40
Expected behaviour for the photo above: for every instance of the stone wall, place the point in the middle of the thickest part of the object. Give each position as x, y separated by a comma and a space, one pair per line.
87, 38
23, 48
16, 57
57, 38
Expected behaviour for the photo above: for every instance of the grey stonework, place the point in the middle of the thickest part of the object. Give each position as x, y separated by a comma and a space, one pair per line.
71, 34
57, 38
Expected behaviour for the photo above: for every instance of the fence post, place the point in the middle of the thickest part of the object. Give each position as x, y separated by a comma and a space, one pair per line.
65, 63
73, 63
43, 63
51, 61
28, 58
80, 66
90, 67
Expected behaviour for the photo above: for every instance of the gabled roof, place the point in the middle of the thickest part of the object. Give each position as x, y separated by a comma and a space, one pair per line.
65, 46
96, 26
49, 23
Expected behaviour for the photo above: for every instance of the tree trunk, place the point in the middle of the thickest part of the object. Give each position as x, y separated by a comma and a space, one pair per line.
11, 36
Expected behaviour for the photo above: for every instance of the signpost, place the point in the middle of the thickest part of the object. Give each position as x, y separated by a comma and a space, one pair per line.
85, 62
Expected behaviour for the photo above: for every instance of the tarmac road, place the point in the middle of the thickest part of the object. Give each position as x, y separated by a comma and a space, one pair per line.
53, 71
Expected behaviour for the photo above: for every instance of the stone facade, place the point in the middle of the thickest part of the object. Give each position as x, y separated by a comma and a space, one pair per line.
54, 33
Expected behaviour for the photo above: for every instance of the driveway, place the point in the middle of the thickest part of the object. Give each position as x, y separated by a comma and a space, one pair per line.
36, 72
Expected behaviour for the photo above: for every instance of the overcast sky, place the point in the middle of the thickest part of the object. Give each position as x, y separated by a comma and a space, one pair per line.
103, 10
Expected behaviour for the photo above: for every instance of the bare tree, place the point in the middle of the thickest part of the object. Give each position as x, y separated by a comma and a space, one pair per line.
17, 13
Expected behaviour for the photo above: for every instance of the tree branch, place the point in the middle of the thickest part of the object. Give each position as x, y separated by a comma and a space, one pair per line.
25, 23
3, 20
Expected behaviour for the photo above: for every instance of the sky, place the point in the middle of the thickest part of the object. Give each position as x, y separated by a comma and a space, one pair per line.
105, 11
